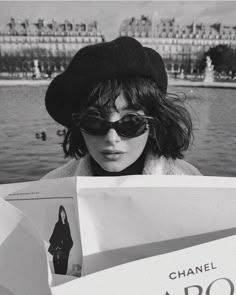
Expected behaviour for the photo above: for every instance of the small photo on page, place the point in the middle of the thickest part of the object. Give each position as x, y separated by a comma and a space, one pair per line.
50, 206
62, 239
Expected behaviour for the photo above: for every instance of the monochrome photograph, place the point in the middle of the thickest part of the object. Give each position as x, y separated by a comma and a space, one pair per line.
118, 138
38, 40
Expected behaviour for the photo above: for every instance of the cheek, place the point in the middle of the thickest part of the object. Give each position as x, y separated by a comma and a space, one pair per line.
87, 139
137, 144
135, 147
91, 142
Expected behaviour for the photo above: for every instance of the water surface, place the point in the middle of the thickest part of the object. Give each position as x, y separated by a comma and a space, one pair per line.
24, 157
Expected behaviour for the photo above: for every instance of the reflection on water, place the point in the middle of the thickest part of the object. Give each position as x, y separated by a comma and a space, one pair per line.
213, 112
22, 114
24, 155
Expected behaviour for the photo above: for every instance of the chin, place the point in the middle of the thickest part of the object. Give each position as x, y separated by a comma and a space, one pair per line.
113, 168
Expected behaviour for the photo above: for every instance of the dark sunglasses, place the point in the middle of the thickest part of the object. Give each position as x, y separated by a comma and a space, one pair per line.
130, 125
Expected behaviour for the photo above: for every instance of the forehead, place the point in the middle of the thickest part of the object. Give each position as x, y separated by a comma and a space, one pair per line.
121, 103
115, 100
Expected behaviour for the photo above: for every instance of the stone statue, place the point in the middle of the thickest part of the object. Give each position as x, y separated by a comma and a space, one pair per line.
209, 70
209, 65
36, 70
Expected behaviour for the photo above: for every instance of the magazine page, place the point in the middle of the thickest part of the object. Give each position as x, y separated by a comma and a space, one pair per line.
128, 218
9, 188
50, 205
198, 270
23, 261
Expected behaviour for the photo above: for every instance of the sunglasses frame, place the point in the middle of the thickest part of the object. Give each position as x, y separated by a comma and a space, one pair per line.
110, 125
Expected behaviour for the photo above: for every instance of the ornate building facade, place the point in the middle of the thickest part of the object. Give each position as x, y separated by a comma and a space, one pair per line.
48, 42
180, 45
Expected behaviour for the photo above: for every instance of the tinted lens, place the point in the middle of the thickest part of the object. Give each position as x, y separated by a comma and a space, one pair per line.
131, 125
93, 125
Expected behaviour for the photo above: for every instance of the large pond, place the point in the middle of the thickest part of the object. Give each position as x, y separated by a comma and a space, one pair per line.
25, 156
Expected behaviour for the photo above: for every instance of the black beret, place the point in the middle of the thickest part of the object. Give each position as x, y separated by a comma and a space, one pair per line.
120, 58
159, 66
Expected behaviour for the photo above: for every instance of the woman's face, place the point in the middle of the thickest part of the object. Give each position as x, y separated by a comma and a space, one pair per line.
112, 152
63, 216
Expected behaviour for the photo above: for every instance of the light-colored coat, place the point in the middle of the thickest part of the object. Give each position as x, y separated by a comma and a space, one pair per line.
152, 166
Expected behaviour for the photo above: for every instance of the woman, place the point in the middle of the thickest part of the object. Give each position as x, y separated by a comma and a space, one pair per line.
61, 243
120, 119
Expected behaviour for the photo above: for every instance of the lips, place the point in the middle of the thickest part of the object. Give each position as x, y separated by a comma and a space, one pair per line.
112, 154
110, 151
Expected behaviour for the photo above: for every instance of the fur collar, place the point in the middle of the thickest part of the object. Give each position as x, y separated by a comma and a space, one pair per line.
152, 166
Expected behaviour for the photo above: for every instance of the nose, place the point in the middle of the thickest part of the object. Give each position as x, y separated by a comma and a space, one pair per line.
112, 136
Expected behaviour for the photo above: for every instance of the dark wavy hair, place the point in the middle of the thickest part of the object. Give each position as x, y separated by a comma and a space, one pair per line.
171, 133
61, 208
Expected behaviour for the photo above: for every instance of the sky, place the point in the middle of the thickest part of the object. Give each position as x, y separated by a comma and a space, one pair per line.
110, 14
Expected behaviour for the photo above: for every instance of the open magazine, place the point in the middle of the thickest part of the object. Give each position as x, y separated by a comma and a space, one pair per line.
199, 270
111, 222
